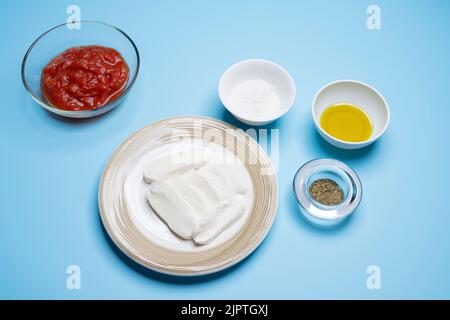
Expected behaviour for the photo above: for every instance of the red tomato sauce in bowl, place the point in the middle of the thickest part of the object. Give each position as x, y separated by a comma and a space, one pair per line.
84, 78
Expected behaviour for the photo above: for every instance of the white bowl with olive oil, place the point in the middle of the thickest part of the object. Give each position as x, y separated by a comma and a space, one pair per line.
350, 114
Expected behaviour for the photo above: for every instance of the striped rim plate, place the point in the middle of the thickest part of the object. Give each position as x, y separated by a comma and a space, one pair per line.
118, 223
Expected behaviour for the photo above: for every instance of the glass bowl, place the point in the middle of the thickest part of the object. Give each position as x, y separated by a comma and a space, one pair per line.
346, 179
64, 36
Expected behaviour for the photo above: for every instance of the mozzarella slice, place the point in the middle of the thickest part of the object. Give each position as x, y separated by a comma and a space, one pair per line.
176, 162
226, 215
173, 209
198, 200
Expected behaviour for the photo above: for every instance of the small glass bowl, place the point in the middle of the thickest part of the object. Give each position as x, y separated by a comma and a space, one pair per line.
343, 175
64, 36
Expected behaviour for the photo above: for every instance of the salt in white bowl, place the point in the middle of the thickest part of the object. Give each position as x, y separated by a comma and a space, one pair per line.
257, 91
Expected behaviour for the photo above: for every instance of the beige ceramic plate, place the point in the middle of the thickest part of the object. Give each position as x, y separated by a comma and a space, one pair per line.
148, 242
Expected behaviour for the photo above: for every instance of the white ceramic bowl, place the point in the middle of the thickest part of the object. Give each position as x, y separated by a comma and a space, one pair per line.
257, 70
356, 93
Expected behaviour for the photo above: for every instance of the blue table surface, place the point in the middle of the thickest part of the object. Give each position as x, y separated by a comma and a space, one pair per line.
50, 168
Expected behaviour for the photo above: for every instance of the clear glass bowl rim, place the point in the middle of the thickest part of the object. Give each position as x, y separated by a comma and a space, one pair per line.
360, 190
68, 112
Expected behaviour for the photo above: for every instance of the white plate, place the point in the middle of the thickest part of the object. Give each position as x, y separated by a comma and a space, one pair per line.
144, 237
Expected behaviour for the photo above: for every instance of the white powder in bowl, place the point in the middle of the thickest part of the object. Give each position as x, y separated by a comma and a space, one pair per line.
256, 99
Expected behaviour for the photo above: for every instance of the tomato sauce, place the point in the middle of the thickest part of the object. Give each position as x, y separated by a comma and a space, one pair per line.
84, 78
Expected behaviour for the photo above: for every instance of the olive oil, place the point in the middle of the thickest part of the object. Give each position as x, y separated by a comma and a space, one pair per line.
346, 122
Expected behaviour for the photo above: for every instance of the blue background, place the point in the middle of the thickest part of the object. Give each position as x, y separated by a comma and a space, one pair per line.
50, 167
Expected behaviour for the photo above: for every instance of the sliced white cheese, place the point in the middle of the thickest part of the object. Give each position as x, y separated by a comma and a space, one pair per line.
198, 203
235, 173
176, 162
173, 209
226, 215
